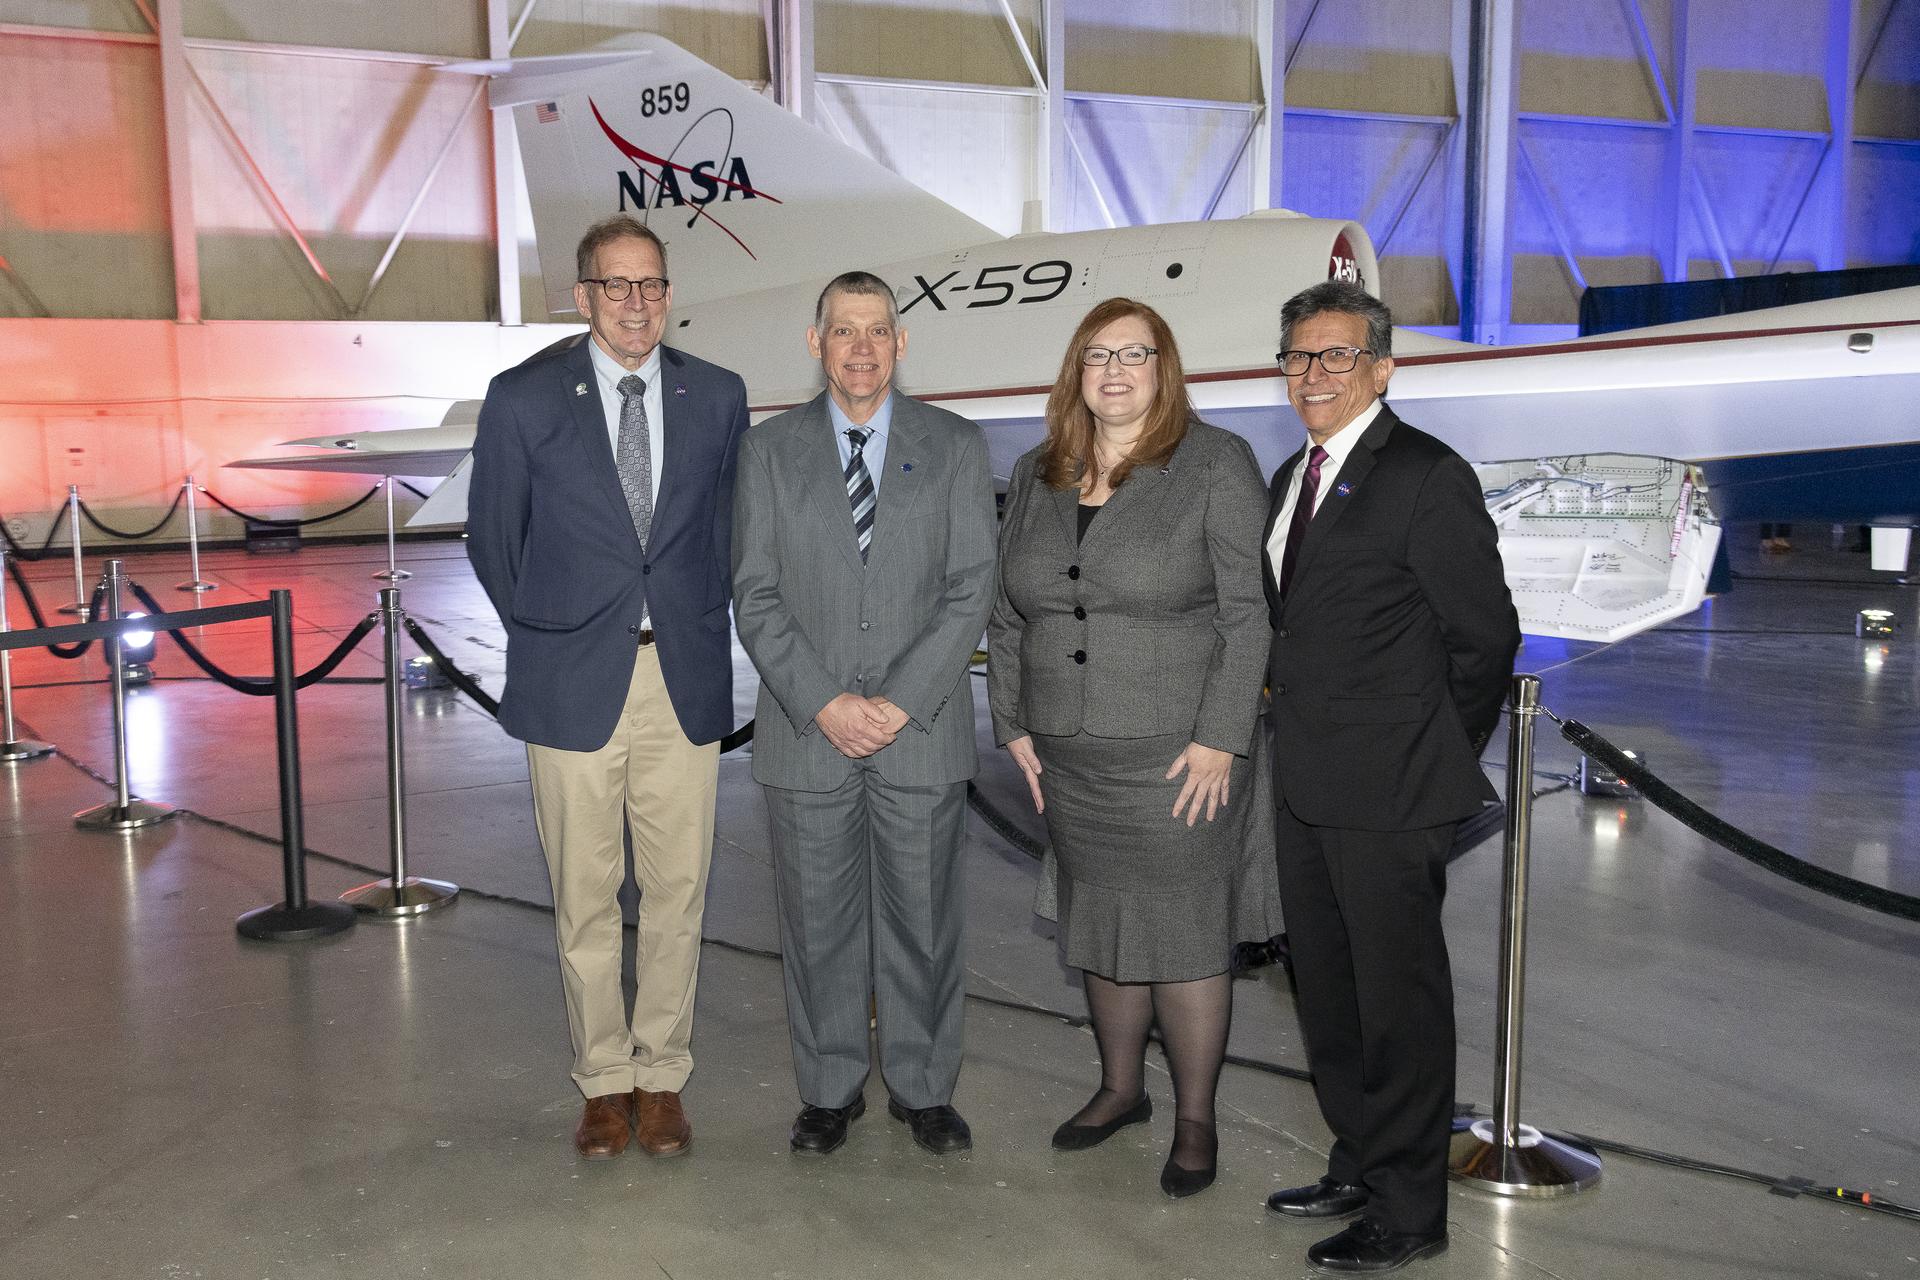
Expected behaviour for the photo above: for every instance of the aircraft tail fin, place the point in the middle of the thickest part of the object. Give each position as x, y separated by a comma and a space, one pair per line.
746, 195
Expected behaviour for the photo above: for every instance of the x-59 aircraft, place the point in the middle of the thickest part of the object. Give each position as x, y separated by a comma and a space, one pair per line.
1589, 450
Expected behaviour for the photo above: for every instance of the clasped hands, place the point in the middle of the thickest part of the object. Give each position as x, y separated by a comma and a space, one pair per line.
1208, 770
858, 726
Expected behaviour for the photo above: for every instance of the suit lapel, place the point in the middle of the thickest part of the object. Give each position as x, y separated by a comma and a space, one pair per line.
1139, 495
1276, 496
908, 454
590, 420
1346, 484
817, 461
676, 434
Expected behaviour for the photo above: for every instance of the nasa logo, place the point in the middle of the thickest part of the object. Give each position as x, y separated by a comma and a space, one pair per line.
668, 181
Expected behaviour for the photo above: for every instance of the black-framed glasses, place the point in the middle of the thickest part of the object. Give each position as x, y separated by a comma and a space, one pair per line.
1333, 360
653, 288
1098, 357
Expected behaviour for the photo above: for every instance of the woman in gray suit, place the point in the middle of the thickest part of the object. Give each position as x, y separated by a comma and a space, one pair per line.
1127, 650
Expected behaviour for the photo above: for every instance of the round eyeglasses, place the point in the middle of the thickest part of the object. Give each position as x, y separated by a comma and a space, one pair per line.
653, 288
1333, 360
1096, 357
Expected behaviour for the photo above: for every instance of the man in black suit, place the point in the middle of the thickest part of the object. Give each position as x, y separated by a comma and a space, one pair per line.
600, 522
1393, 647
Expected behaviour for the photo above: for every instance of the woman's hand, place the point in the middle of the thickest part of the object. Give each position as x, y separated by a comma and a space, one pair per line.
1021, 749
1207, 772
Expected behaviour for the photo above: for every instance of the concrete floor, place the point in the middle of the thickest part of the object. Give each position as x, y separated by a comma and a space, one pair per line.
176, 1101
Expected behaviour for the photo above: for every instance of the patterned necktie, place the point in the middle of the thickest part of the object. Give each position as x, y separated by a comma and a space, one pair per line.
1302, 512
860, 492
633, 456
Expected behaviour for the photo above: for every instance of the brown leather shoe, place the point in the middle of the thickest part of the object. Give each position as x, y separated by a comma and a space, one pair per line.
660, 1124
605, 1125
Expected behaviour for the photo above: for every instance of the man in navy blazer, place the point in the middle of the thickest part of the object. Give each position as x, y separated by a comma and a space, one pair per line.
1393, 645
600, 523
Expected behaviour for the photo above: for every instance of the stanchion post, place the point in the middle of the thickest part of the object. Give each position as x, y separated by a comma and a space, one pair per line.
296, 917
400, 895
1502, 1155
195, 584
12, 747
393, 572
125, 811
80, 608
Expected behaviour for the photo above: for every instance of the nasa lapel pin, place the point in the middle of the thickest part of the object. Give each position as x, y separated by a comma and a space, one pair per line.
680, 388
579, 388
906, 466
1343, 488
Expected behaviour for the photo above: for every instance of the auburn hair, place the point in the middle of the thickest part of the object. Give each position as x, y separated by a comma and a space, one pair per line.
1067, 457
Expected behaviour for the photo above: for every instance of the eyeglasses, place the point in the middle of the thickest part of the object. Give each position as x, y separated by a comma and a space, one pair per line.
1096, 357
1333, 360
653, 288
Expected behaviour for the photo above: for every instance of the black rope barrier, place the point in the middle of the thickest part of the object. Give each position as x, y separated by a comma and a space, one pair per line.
1635, 774
67, 652
87, 514
301, 523
259, 686
18, 552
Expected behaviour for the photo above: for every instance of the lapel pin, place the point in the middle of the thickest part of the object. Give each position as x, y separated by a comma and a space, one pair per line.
1166, 471
680, 389
579, 388
1343, 488
906, 466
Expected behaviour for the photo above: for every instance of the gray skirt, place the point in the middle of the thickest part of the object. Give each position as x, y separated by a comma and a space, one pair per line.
1140, 895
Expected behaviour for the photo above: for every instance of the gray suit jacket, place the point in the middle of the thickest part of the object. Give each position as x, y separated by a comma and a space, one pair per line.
818, 623
1156, 624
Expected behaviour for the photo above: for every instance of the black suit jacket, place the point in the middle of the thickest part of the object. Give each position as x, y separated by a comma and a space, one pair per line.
1393, 651
554, 545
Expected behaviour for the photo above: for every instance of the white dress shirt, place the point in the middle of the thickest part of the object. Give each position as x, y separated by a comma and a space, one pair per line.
1338, 446
608, 372
874, 451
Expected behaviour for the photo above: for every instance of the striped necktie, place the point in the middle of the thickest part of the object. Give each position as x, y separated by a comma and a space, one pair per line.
860, 492
633, 455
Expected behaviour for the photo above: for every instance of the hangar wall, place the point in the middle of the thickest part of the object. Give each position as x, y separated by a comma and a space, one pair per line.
321, 178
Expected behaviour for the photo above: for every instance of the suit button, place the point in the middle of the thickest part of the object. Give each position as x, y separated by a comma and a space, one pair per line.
633, 631
1279, 690
645, 569
1079, 613
1284, 634
859, 679
866, 626
1073, 571
1080, 656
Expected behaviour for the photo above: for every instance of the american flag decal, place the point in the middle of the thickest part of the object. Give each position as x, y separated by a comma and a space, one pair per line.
547, 113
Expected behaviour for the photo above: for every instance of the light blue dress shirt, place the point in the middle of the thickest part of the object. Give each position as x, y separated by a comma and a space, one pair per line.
875, 450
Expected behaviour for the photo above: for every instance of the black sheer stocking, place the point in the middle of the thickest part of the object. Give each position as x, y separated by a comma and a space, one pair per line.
1122, 1015
1193, 1018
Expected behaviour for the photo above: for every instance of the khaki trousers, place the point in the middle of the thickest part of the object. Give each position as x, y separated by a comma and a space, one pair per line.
650, 780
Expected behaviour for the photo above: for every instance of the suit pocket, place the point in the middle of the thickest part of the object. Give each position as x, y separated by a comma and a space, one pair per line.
715, 619
1394, 709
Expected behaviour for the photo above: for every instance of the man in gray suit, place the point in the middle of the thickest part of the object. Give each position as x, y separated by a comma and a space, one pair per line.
863, 569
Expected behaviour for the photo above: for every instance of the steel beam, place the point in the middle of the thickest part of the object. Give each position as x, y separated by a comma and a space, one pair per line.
1052, 137
1268, 133
505, 163
1484, 41
790, 56
1681, 180
1842, 84
420, 197
21, 287
176, 131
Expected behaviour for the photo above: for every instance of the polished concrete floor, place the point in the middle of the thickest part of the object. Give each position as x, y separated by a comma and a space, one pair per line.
176, 1101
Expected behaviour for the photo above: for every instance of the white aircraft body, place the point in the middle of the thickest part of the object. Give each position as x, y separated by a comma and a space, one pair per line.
1584, 447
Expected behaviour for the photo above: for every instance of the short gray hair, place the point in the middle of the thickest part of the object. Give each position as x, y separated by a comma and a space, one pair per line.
1347, 298
604, 232
863, 284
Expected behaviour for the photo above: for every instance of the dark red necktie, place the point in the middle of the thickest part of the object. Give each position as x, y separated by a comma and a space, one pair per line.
1302, 512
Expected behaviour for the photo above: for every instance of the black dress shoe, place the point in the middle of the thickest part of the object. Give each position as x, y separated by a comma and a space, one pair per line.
1178, 1181
937, 1129
1324, 1199
1367, 1248
819, 1130
1078, 1137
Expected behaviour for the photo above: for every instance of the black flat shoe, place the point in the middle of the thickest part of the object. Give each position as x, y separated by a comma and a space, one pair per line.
1367, 1248
1324, 1199
1178, 1181
939, 1130
820, 1130
1078, 1137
